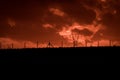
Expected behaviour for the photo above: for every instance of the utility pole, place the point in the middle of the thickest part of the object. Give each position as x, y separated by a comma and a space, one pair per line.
12, 45
37, 44
98, 44
24, 44
110, 42
62, 44
86, 43
0, 45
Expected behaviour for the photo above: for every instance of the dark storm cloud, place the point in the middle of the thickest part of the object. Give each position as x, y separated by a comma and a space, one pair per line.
22, 9
76, 10
27, 15
109, 12
84, 32
111, 20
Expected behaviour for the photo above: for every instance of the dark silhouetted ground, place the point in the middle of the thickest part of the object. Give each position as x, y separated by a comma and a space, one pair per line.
92, 55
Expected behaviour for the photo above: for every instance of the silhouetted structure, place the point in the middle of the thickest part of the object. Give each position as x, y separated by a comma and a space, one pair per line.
75, 38
12, 45
49, 45
37, 44
25, 44
111, 43
0, 45
62, 44
98, 43
86, 43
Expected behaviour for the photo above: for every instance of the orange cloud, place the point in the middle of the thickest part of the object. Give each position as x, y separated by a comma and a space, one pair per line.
57, 12
90, 30
47, 26
103, 0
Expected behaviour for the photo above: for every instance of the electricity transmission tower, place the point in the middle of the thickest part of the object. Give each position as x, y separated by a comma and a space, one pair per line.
75, 38
49, 45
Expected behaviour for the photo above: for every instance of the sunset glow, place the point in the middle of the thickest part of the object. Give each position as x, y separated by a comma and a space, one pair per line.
91, 22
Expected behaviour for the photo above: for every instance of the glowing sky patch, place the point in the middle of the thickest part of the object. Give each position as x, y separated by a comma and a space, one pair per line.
47, 26
57, 12
56, 20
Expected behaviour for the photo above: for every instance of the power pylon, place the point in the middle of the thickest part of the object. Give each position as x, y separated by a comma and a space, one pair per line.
49, 45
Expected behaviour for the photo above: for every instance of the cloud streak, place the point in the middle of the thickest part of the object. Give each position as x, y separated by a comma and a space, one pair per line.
57, 12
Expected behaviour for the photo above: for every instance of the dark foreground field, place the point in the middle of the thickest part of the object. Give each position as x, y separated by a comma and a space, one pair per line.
56, 55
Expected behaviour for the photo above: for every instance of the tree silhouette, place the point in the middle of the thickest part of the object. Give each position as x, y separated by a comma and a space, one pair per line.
75, 38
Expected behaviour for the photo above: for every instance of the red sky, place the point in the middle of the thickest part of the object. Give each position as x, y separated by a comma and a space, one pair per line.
56, 20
